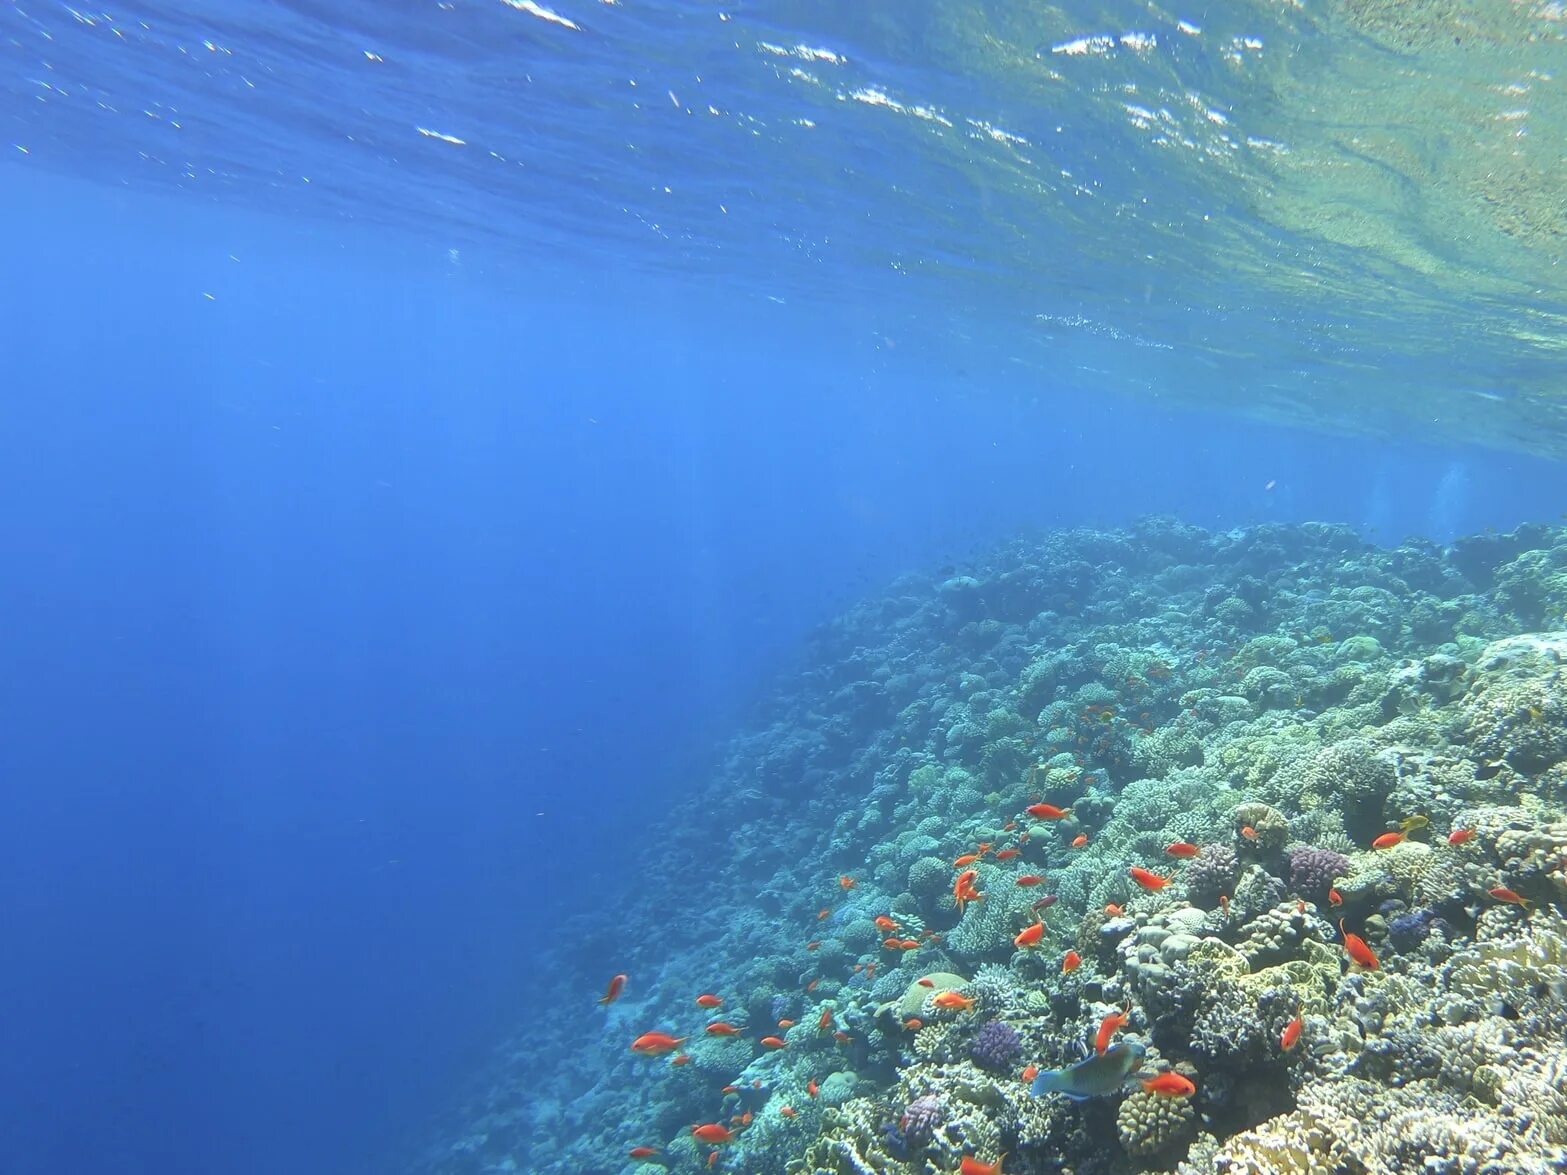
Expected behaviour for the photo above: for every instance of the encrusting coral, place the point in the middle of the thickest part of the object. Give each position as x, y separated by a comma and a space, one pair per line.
1130, 783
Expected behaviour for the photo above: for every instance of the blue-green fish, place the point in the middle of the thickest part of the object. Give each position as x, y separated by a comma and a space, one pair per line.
1098, 1075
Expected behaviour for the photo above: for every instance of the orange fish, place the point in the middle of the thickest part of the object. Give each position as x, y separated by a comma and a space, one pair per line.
1029, 880
892, 944
1071, 962
722, 1029
1108, 1027
823, 914
815, 945
1080, 840
682, 1059
786, 1024
1249, 832
1113, 910
953, 1002
964, 891
712, 1160
1183, 850
1461, 836
966, 860
870, 972
616, 986
913, 944
1224, 904
811, 1088
914, 1024
656, 1044
787, 1111
814, 984
1170, 1084
1009, 826
1300, 906
643, 1152
728, 1089
1029, 1073
712, 1132
1387, 840
1502, 894
1007, 854
1149, 881
709, 1001
1356, 948
1335, 898
984, 847
773, 1042
1029, 937
972, 1166
1049, 812
885, 923
1291, 1035
847, 883
927, 982
842, 1037
825, 1023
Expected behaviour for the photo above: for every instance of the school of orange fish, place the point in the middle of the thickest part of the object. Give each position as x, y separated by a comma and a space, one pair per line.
1031, 937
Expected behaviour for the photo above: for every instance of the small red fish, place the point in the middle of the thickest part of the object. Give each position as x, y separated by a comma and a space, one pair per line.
616, 986
1049, 812
1461, 836
914, 1024
1149, 881
1108, 1027
656, 1044
825, 1023
1029, 937
1071, 963
846, 883
682, 1059
722, 1029
811, 1088
1113, 910
823, 914
963, 891
814, 945
814, 984
709, 1001
885, 924
1009, 826
953, 1002
1300, 906
1080, 840
1249, 832
1355, 947
1045, 902
1291, 1035
927, 982
842, 1037
1335, 898
1388, 839
1030, 879
773, 1042
1182, 849
1008, 854
787, 1111
972, 1166
712, 1160
712, 1132
729, 1089
643, 1152
966, 860
1502, 894
786, 1024
1170, 1084
1029, 1073
1224, 904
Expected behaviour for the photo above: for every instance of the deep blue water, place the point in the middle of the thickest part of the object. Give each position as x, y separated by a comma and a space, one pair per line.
361, 618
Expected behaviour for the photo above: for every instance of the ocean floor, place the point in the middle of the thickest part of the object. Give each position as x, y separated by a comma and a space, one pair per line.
1174, 753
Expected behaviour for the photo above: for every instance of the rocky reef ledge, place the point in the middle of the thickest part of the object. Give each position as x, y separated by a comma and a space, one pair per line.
1288, 811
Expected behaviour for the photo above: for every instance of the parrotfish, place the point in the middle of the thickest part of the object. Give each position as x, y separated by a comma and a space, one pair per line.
1102, 1074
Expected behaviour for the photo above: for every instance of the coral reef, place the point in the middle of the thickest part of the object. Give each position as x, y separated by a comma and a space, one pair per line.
1130, 782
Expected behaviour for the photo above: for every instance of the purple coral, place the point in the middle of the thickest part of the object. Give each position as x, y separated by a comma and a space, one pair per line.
922, 1119
1313, 871
1210, 874
996, 1046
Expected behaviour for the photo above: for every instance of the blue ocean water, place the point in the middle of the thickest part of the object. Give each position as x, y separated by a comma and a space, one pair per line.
402, 492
